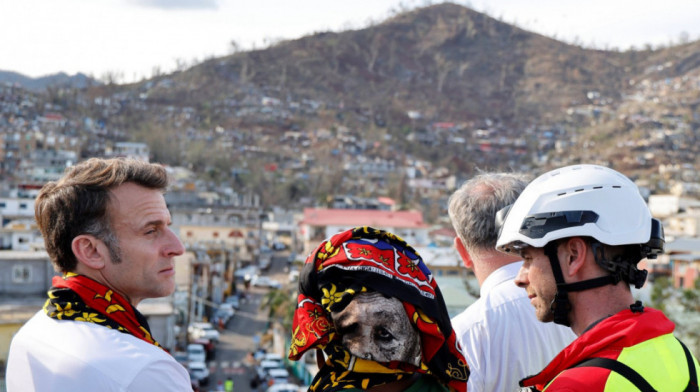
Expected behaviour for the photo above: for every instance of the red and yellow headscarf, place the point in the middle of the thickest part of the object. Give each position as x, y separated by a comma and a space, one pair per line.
366, 259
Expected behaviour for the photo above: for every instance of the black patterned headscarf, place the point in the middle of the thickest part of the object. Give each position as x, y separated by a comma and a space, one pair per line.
364, 260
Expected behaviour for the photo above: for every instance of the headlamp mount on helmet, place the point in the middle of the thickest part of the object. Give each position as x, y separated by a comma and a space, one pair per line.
538, 225
655, 246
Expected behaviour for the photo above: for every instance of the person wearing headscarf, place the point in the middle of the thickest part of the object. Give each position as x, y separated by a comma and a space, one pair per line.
373, 310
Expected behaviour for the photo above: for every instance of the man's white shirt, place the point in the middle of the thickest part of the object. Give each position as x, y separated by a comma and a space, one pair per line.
501, 337
63, 355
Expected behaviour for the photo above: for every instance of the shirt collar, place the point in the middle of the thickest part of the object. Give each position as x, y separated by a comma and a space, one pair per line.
507, 272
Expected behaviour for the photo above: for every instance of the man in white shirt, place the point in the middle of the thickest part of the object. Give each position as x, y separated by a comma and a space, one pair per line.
502, 339
106, 228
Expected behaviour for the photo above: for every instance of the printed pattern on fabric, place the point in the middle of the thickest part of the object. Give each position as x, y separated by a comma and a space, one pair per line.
361, 260
79, 298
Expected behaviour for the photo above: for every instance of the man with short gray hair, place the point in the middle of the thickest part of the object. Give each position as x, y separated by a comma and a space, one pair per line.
500, 335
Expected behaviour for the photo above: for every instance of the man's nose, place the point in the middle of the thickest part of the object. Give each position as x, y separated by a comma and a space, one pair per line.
521, 280
175, 246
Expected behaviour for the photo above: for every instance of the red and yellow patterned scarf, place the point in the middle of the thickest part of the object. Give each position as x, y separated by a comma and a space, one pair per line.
366, 259
79, 298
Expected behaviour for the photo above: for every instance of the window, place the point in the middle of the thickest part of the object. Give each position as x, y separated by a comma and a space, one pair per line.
22, 206
21, 274
3, 204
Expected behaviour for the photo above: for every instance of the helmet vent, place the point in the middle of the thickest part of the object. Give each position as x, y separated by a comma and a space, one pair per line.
583, 189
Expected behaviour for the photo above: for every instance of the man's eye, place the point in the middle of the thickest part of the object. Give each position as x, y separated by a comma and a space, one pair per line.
384, 335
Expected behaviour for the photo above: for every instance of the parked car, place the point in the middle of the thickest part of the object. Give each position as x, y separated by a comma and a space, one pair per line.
284, 387
234, 300
181, 357
226, 310
265, 261
203, 330
209, 346
274, 357
246, 273
223, 314
196, 353
279, 246
264, 368
199, 372
277, 375
265, 281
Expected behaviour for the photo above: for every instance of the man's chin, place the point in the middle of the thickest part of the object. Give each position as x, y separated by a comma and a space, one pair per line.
166, 289
545, 317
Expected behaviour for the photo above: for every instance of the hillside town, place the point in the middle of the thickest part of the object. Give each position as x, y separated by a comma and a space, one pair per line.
259, 178
231, 236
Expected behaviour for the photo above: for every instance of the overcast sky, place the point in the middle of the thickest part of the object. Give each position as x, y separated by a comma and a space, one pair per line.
132, 37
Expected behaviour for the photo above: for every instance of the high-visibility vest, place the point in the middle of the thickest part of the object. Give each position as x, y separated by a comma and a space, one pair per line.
662, 363
228, 385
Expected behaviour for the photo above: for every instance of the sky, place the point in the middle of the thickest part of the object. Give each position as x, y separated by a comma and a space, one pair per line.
132, 39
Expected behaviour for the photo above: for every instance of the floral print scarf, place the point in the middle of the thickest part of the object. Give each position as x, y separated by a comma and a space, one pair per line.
79, 298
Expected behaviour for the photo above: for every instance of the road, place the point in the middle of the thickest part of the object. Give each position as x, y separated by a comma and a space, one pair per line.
238, 338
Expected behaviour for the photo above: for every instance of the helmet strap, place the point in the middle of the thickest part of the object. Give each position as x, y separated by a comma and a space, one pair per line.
621, 268
560, 306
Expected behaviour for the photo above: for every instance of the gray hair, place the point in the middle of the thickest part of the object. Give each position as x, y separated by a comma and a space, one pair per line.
474, 205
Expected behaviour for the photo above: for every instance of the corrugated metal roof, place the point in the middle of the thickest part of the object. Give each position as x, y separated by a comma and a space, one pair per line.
374, 218
683, 245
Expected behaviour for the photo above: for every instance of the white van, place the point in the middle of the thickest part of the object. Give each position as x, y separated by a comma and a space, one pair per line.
265, 367
278, 376
196, 353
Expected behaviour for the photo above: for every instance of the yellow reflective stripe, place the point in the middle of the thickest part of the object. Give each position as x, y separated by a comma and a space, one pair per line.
661, 361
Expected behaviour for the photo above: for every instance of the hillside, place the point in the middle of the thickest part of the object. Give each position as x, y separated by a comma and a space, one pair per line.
440, 92
447, 61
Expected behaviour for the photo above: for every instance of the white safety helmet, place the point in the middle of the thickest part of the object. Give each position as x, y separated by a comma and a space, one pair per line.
581, 200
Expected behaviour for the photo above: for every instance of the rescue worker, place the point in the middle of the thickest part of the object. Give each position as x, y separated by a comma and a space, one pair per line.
228, 385
581, 230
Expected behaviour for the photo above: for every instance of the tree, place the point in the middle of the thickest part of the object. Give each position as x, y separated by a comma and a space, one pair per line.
682, 307
234, 46
281, 305
444, 66
690, 301
112, 77
661, 293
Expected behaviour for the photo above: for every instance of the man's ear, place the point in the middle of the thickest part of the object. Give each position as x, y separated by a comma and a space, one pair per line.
462, 250
577, 250
89, 251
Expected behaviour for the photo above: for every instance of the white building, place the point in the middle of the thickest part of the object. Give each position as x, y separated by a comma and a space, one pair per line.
139, 151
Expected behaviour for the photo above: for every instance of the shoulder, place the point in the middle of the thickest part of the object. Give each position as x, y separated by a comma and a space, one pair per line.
66, 350
469, 316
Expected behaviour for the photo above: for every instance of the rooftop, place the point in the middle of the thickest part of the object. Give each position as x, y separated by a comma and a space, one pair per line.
374, 218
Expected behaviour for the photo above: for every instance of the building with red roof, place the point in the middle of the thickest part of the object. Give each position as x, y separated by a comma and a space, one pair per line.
321, 223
